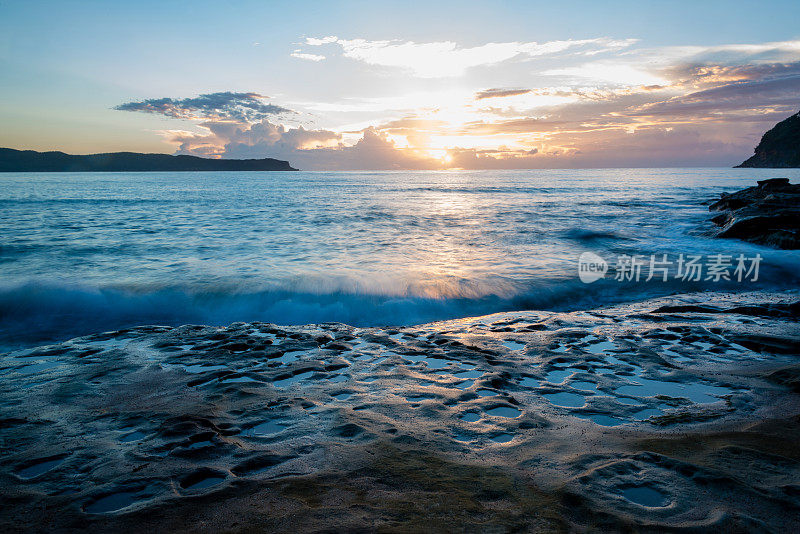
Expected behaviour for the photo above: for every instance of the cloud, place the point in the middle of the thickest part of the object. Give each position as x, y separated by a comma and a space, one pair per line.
308, 57
240, 107
495, 159
441, 59
608, 72
312, 41
237, 125
735, 90
657, 66
641, 107
499, 93
778, 51
711, 74
305, 149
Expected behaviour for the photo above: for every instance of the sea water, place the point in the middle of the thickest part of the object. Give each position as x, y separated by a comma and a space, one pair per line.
88, 252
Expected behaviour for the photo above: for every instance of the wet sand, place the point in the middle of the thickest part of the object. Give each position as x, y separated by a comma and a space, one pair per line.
677, 413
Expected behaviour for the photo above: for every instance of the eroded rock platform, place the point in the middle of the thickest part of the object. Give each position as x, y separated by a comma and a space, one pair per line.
675, 413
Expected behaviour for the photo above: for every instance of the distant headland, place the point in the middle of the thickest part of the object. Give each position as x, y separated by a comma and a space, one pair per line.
12, 160
779, 147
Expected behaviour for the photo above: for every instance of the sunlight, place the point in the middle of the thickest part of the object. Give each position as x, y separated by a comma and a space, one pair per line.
440, 154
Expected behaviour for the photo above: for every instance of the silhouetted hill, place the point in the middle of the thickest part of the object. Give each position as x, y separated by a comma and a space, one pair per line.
31, 161
780, 147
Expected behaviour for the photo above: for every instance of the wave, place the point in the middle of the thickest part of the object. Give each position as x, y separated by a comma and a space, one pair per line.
37, 313
584, 235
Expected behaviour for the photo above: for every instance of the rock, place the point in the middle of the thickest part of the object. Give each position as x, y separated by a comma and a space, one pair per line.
686, 410
773, 182
768, 214
779, 147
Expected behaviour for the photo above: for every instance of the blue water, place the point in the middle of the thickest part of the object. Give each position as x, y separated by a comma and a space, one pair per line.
82, 253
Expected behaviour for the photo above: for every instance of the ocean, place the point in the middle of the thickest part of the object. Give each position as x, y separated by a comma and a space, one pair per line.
85, 253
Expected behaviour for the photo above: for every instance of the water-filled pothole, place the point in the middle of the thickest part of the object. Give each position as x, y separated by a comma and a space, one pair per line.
337, 378
583, 385
285, 382
112, 502
237, 380
266, 428
288, 358
502, 438
201, 368
564, 399
513, 345
204, 483
558, 376
647, 413
38, 367
696, 392
504, 411
202, 479
601, 419
529, 382
462, 437
645, 496
475, 373
600, 346
133, 436
39, 467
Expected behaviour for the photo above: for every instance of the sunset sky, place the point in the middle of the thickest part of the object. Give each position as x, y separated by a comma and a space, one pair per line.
402, 85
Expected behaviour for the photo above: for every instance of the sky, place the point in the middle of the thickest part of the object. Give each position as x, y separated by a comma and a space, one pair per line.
402, 85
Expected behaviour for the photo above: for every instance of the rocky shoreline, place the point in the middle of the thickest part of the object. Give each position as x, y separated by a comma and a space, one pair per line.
768, 214
674, 413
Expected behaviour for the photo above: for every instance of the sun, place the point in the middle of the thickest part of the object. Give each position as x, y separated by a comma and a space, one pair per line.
440, 154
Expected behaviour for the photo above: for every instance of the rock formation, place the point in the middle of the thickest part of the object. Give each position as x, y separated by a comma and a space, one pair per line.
673, 414
768, 214
779, 147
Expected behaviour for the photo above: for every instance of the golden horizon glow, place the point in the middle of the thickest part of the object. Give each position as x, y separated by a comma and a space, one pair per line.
503, 105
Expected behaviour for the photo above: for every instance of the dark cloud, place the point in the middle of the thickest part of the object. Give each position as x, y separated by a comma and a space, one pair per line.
499, 92
240, 107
